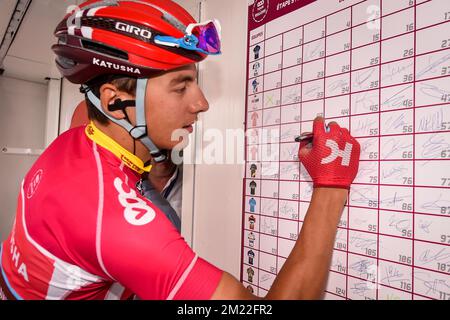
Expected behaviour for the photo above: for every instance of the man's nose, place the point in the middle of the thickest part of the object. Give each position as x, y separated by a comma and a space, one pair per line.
200, 103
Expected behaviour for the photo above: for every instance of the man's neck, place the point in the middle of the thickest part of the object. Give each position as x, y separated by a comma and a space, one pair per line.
123, 138
161, 173
163, 170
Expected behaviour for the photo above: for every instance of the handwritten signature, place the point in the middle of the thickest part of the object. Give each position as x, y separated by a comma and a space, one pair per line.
363, 102
394, 200
292, 96
399, 224
433, 66
431, 121
367, 144
393, 69
361, 77
433, 91
292, 152
270, 117
434, 286
269, 170
395, 172
393, 275
337, 85
360, 288
363, 126
288, 133
437, 204
395, 121
286, 209
368, 169
312, 91
268, 225
393, 145
424, 225
265, 277
313, 52
429, 256
361, 242
433, 147
307, 191
268, 206
398, 98
362, 195
285, 169
365, 268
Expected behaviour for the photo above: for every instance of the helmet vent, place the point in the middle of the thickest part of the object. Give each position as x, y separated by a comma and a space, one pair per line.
65, 63
99, 22
62, 39
101, 48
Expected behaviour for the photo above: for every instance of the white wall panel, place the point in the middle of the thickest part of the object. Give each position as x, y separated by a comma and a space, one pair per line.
218, 187
22, 125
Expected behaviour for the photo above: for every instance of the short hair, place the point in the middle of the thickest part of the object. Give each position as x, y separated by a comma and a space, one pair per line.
126, 84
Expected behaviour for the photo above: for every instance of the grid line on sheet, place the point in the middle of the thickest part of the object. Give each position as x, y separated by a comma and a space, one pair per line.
383, 209
414, 144
361, 69
379, 145
349, 128
366, 256
279, 151
353, 26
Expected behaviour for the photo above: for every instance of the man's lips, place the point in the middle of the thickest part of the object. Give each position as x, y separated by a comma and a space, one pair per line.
189, 128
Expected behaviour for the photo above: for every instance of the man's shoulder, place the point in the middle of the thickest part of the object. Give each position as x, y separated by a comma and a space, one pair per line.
69, 145
68, 169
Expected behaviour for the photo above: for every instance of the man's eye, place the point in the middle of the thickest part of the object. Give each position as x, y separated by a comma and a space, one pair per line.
180, 90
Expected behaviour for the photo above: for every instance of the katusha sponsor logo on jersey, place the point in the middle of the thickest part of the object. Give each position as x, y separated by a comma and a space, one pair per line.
16, 257
115, 66
136, 212
133, 30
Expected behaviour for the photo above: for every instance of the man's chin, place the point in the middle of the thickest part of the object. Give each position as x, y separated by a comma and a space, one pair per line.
179, 138
179, 144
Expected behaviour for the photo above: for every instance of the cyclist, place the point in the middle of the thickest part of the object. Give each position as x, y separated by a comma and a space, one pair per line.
83, 230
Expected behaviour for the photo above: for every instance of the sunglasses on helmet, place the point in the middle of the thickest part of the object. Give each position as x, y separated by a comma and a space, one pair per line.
202, 37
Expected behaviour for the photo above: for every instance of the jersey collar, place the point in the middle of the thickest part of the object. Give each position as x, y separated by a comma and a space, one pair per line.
129, 159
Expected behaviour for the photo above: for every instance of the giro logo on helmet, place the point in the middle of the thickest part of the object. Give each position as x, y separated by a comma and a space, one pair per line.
110, 65
133, 30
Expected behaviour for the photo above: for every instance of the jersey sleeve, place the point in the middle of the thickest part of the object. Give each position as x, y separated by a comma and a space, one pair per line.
141, 249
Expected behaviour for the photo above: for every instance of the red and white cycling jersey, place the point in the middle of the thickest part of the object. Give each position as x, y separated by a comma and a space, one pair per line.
83, 232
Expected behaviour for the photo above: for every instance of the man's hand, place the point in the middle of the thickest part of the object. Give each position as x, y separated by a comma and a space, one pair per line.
333, 158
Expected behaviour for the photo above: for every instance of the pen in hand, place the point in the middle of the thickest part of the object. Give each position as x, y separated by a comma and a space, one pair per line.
304, 136
308, 135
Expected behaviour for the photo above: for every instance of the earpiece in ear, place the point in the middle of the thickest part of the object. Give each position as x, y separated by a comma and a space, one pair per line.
121, 105
115, 106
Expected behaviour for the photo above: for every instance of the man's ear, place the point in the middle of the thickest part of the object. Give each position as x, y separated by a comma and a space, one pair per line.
109, 93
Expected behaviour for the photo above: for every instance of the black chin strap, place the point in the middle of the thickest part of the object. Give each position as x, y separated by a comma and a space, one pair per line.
122, 105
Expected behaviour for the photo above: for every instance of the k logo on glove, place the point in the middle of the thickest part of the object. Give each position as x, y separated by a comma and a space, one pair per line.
332, 160
336, 152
